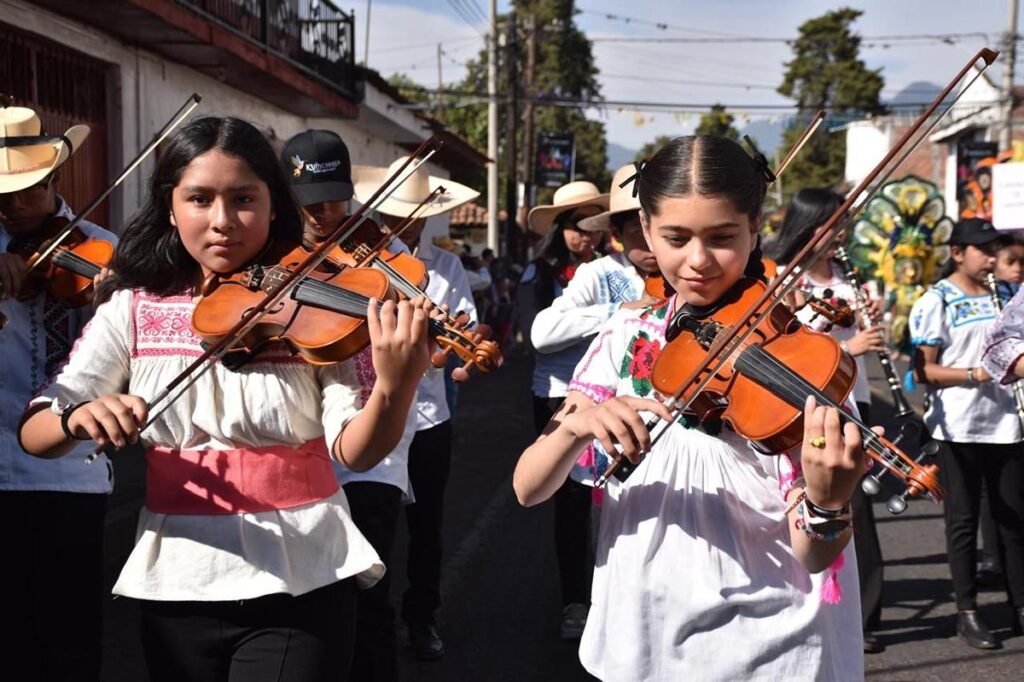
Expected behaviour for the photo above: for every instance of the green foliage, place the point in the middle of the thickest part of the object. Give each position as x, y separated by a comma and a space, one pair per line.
826, 73
565, 68
718, 122
651, 148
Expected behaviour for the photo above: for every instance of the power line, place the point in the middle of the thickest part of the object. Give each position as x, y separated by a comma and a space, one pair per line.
460, 10
413, 46
947, 38
473, 9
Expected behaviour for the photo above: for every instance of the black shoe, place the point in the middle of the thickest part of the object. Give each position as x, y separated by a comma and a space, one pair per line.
970, 626
1018, 621
872, 645
426, 643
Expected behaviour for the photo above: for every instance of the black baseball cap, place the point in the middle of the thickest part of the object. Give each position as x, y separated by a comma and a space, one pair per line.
974, 231
318, 167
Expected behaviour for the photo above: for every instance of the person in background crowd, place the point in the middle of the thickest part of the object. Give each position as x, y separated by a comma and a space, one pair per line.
431, 449
975, 420
53, 510
565, 248
808, 211
323, 188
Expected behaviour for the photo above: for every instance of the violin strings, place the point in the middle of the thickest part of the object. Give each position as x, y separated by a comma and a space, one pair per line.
76, 264
768, 370
332, 296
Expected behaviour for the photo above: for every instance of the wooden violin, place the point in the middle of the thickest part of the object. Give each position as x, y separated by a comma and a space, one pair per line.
763, 386
324, 317
366, 248
67, 272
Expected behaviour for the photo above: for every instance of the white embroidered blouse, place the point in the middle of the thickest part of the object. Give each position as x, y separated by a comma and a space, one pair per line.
137, 343
695, 578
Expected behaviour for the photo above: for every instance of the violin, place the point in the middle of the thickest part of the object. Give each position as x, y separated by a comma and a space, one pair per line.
408, 276
766, 380
67, 272
323, 319
749, 362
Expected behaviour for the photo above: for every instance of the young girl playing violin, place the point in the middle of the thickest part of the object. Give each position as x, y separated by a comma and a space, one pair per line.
246, 559
700, 573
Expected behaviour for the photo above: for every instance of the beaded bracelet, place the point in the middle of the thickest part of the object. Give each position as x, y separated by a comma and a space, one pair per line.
827, 531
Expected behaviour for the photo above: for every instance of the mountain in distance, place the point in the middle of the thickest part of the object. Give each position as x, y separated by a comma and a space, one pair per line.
619, 156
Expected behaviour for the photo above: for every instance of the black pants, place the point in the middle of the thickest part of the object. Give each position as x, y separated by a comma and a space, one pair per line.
989, 533
52, 574
869, 550
430, 457
963, 466
374, 508
572, 522
276, 638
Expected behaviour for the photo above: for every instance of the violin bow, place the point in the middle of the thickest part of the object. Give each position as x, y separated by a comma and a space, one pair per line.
734, 336
202, 364
180, 115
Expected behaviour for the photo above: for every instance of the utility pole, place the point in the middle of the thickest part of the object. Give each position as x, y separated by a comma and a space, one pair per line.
492, 130
511, 120
528, 111
366, 42
440, 86
1006, 134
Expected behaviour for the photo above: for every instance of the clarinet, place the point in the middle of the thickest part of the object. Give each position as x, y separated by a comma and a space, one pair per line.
1018, 390
903, 408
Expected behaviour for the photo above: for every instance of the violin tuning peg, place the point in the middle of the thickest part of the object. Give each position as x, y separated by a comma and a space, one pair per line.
440, 358
461, 374
870, 485
930, 449
897, 504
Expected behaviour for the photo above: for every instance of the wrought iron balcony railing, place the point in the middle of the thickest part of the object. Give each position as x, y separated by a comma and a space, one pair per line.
313, 34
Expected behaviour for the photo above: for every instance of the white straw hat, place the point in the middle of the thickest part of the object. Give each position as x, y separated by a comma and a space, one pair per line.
620, 200
27, 156
573, 195
367, 179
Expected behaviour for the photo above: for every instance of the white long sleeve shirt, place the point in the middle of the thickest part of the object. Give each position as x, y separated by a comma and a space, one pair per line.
561, 332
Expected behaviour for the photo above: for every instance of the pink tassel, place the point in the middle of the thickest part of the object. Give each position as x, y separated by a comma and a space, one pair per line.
597, 496
831, 590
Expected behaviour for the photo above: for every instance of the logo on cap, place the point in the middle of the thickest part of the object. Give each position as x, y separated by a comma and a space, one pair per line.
299, 164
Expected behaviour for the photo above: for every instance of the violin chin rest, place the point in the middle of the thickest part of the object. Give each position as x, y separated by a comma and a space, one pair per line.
210, 283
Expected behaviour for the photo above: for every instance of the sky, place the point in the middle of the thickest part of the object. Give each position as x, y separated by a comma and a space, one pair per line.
404, 34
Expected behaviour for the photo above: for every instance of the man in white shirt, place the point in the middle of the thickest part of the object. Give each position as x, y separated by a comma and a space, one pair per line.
53, 509
430, 452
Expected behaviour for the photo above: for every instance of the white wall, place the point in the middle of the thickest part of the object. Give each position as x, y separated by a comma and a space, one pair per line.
150, 89
866, 144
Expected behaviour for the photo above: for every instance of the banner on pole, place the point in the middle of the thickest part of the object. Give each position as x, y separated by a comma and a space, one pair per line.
555, 160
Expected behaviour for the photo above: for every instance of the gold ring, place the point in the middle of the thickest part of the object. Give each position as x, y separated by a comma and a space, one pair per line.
818, 442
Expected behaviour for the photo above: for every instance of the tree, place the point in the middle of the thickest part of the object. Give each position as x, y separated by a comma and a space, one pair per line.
651, 148
826, 73
565, 70
718, 122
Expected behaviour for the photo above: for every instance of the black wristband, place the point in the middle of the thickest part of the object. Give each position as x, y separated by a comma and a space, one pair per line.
823, 513
65, 414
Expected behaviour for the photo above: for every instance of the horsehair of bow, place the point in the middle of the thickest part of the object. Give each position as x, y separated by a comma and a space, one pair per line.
252, 317
191, 103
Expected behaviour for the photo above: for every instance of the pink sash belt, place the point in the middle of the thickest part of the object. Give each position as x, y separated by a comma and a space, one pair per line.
241, 481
